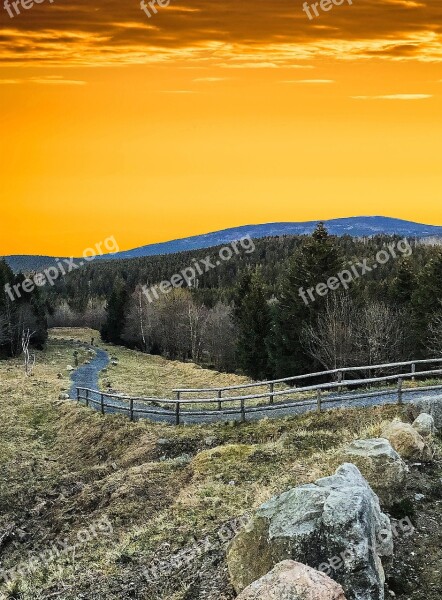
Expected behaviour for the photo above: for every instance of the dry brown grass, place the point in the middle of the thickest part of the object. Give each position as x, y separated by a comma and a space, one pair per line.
64, 466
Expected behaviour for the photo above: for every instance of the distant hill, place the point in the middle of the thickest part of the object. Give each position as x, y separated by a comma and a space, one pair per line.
26, 263
354, 226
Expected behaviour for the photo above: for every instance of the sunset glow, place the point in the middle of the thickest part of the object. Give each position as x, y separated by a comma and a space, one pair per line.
214, 114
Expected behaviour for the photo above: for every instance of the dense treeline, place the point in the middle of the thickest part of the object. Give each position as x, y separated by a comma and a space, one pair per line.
20, 312
249, 313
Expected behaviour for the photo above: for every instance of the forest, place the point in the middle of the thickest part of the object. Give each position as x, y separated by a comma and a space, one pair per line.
247, 316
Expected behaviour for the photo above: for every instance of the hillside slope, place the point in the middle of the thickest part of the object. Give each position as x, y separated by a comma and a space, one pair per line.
124, 503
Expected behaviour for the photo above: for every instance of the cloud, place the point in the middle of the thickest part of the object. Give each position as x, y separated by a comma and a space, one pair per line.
395, 97
178, 92
210, 79
268, 34
56, 80
320, 81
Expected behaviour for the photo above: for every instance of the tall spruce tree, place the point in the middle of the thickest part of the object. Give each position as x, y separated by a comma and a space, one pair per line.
252, 315
426, 300
113, 327
314, 262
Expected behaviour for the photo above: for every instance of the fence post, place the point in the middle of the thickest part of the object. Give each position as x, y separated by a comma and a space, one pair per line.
413, 370
102, 403
177, 413
220, 393
339, 381
178, 395
319, 400
399, 390
272, 389
87, 397
131, 409
78, 394
243, 412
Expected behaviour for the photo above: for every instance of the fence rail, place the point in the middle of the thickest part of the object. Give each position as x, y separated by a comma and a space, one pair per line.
319, 395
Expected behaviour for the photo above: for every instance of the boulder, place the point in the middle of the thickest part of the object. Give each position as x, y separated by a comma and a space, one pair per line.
381, 466
431, 405
63, 397
407, 441
291, 580
70, 368
334, 525
424, 425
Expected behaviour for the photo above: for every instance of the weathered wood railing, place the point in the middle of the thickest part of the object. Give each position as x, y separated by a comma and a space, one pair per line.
175, 410
337, 373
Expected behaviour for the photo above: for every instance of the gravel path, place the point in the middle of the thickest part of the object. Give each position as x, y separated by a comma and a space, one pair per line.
87, 375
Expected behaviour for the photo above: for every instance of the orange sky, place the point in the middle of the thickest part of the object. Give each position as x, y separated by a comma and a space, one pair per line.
214, 114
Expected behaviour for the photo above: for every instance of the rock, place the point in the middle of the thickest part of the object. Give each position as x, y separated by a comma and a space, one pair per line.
407, 441
115, 363
381, 466
424, 424
431, 406
291, 580
334, 525
210, 441
63, 397
183, 459
70, 368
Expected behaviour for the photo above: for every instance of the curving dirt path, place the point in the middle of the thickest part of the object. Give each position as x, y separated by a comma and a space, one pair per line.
87, 375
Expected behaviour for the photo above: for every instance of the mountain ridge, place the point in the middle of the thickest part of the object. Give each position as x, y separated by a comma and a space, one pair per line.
361, 226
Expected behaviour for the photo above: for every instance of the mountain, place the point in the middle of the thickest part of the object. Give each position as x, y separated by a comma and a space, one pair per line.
354, 226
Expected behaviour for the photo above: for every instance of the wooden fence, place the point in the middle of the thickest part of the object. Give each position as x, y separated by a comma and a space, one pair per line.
336, 391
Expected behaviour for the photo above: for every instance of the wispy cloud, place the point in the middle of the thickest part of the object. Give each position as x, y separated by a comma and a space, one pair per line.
178, 92
210, 79
56, 80
320, 81
395, 97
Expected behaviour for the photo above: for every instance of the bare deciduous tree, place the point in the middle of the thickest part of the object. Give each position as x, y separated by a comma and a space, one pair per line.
381, 337
434, 343
178, 326
28, 361
331, 340
345, 335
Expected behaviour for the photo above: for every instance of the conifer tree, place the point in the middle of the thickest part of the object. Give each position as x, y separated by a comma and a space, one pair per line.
252, 315
426, 299
113, 327
314, 262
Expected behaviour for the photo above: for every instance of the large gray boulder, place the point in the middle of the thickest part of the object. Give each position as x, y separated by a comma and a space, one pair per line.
424, 424
380, 465
432, 406
290, 580
334, 525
